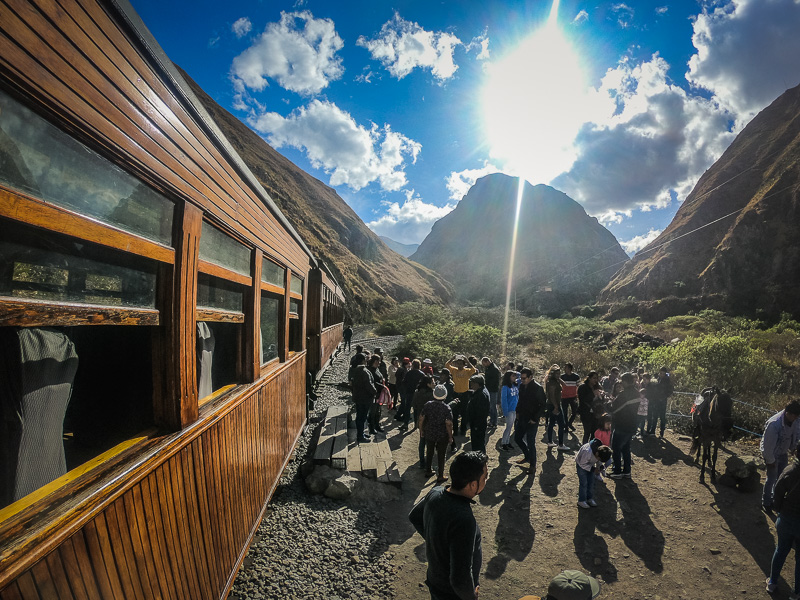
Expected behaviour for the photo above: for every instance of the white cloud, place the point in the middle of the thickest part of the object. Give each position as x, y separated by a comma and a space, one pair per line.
482, 42
241, 27
332, 140
660, 10
403, 46
653, 142
459, 182
581, 17
410, 222
640, 241
298, 52
747, 53
624, 14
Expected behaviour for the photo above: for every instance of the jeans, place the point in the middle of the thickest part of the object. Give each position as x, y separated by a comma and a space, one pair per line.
621, 450
362, 410
589, 425
656, 410
551, 422
421, 449
493, 408
463, 410
572, 403
405, 408
788, 529
525, 436
773, 472
440, 446
585, 484
511, 416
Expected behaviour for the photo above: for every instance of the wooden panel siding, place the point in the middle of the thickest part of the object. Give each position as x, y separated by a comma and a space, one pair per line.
172, 530
331, 337
87, 71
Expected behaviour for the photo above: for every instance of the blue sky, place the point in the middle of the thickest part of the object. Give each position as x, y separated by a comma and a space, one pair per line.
400, 106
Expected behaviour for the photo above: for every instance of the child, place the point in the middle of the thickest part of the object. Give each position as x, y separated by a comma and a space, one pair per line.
603, 433
587, 461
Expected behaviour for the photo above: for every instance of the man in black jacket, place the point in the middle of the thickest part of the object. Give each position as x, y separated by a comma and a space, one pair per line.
492, 375
624, 419
452, 537
530, 408
478, 413
364, 391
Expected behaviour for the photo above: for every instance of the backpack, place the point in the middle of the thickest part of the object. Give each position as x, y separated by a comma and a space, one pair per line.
384, 396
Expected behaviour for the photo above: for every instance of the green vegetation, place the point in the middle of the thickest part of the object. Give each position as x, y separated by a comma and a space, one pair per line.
755, 359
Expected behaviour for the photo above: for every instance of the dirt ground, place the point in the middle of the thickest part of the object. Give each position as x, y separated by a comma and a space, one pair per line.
658, 535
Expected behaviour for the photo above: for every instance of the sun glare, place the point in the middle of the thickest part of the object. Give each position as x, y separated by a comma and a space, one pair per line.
534, 102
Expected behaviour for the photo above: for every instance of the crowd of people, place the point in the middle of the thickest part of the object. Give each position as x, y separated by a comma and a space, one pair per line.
471, 395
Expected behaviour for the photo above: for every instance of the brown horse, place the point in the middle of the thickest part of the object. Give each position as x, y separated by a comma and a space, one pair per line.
713, 420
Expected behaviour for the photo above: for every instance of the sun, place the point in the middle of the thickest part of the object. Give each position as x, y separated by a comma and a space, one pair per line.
533, 104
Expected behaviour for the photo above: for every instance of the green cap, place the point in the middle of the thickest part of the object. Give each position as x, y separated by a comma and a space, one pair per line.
573, 585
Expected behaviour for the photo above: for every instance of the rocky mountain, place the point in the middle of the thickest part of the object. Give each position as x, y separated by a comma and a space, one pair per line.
402, 249
735, 242
372, 276
563, 256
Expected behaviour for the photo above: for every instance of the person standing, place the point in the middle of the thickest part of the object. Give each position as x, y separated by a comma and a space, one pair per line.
780, 437
509, 395
364, 393
787, 502
436, 427
461, 371
374, 416
530, 407
347, 336
479, 410
552, 386
586, 396
663, 391
410, 384
422, 395
624, 417
392, 379
452, 536
569, 395
492, 375
610, 380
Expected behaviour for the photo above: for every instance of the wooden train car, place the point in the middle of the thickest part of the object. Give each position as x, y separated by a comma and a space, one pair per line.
325, 325
153, 311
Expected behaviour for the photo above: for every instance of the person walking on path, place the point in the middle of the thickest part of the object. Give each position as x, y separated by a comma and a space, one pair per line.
530, 408
509, 395
461, 371
436, 427
787, 502
347, 336
780, 437
363, 395
422, 395
624, 415
586, 398
492, 375
374, 415
569, 395
479, 411
452, 536
552, 386
408, 387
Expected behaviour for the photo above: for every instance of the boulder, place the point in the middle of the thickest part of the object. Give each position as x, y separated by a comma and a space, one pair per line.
342, 487
742, 472
320, 478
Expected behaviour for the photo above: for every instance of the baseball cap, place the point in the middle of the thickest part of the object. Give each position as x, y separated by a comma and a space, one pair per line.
573, 585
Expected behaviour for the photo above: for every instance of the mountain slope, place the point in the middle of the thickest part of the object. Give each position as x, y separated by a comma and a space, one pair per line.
402, 249
746, 257
563, 256
372, 276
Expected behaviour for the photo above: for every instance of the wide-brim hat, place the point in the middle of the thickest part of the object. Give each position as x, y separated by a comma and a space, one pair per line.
573, 585
427, 361
440, 392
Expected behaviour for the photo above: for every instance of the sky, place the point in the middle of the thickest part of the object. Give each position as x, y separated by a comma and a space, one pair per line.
400, 106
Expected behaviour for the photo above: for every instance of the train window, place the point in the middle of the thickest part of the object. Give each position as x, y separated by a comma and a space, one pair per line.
218, 356
296, 287
270, 320
272, 273
69, 394
216, 293
220, 249
38, 159
294, 306
40, 265
295, 326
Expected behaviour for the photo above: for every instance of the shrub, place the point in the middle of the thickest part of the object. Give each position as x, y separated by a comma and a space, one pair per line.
408, 316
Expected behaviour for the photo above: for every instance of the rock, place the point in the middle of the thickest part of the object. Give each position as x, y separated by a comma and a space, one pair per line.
320, 478
716, 551
306, 468
342, 487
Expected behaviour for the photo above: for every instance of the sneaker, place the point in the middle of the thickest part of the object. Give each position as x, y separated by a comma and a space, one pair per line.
551, 444
583, 505
614, 475
591, 502
771, 587
429, 474
794, 596
627, 476
563, 447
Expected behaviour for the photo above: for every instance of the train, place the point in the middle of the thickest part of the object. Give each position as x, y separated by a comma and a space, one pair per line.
160, 319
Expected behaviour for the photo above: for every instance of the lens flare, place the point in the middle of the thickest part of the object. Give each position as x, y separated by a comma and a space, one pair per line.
511, 257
